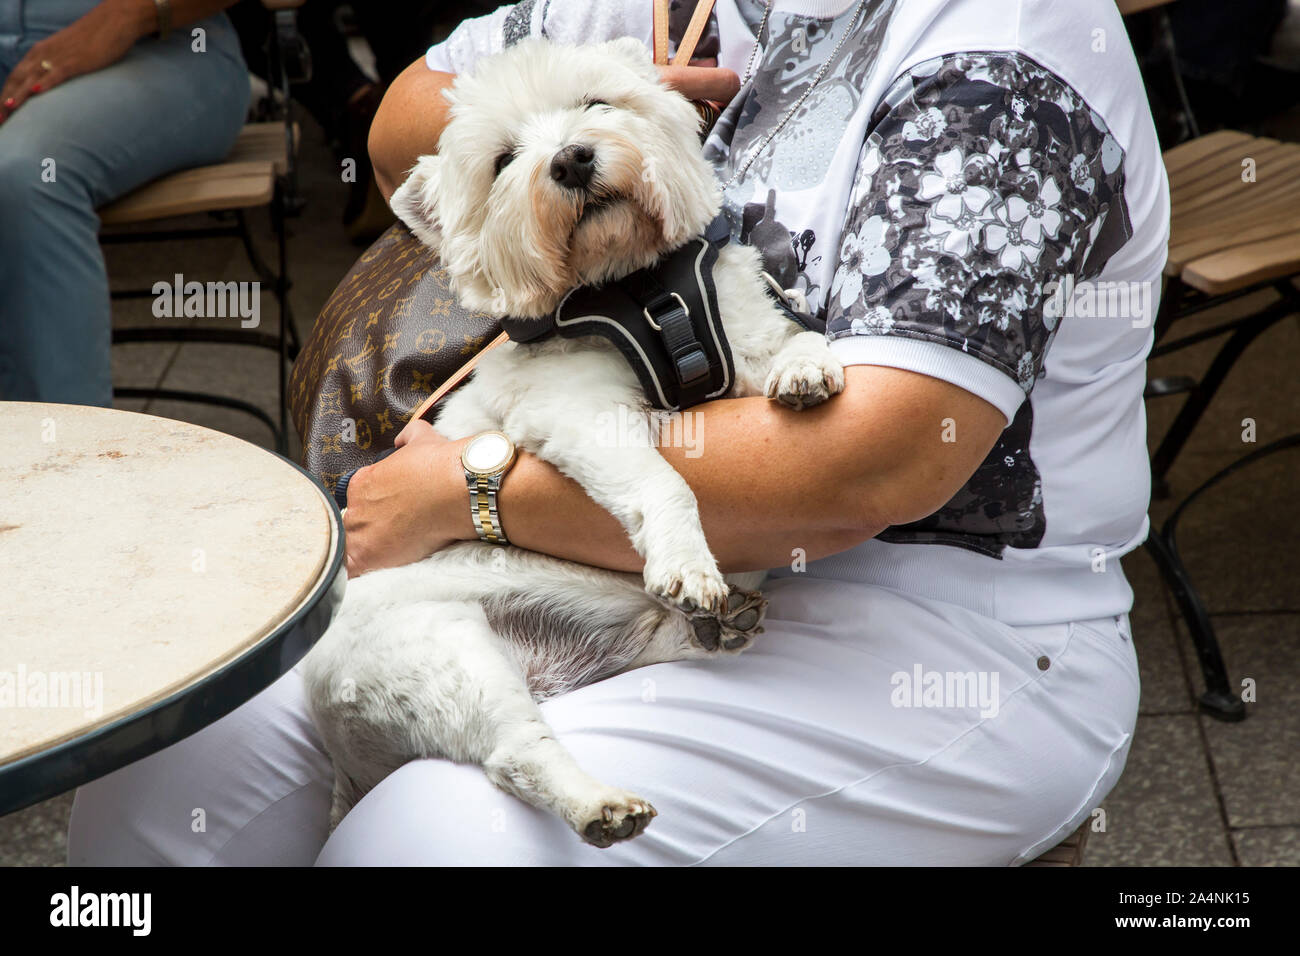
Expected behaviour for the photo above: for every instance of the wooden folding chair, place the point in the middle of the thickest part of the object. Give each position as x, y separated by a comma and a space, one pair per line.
258, 172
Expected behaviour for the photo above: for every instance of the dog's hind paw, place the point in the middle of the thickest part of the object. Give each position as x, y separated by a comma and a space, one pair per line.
734, 629
616, 816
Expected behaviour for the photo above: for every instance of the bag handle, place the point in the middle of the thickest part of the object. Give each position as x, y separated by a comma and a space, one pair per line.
340, 489
659, 34
456, 377
694, 30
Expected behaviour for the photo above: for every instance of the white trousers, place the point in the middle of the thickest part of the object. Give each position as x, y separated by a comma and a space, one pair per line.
817, 746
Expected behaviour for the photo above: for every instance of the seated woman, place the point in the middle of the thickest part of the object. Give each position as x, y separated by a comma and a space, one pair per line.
93, 106
947, 675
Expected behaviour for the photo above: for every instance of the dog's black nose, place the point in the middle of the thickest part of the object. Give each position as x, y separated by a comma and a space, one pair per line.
572, 166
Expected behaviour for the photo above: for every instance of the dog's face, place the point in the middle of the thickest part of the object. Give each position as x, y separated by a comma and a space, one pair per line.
560, 166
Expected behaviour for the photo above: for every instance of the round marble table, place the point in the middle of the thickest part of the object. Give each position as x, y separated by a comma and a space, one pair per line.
154, 575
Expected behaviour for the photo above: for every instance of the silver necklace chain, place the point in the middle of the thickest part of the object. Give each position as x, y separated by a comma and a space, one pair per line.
755, 152
758, 43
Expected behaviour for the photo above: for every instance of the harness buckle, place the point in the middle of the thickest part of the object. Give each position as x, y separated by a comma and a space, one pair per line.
689, 360
680, 303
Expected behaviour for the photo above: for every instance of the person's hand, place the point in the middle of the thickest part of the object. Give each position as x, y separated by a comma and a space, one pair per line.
416, 426
702, 80
99, 39
405, 507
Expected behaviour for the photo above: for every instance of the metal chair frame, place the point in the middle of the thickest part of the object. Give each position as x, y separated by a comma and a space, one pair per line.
1219, 699
288, 61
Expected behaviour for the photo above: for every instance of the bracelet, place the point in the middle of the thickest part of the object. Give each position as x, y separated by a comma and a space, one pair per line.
164, 10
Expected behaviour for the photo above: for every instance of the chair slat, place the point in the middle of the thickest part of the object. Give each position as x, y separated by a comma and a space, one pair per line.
1237, 209
1223, 220
205, 189
1272, 177
264, 141
1227, 234
1198, 150
1221, 167
1245, 265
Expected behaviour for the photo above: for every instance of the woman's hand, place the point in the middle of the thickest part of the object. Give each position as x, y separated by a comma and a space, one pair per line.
409, 505
415, 427
702, 80
99, 39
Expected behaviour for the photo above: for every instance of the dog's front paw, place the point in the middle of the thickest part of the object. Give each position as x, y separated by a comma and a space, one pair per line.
805, 379
614, 816
693, 586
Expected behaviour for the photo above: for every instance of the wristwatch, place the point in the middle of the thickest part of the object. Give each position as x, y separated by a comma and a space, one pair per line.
486, 458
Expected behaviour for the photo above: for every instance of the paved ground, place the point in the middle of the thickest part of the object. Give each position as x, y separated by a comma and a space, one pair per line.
1196, 791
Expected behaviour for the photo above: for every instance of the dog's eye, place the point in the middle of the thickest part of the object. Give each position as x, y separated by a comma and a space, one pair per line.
588, 104
504, 160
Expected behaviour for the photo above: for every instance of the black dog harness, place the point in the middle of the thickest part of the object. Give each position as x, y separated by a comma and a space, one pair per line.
664, 320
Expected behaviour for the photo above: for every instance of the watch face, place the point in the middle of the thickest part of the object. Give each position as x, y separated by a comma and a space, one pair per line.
487, 453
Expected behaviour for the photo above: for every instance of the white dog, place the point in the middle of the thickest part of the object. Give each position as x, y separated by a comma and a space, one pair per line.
448, 656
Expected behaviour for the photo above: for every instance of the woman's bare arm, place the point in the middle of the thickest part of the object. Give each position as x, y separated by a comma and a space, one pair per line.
768, 480
408, 123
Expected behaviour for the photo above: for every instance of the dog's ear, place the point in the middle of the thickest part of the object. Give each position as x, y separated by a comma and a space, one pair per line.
633, 52
415, 202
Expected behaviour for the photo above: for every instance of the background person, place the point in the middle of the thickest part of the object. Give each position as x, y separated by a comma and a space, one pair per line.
94, 105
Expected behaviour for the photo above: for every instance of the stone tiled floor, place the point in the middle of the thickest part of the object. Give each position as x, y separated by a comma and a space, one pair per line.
1196, 792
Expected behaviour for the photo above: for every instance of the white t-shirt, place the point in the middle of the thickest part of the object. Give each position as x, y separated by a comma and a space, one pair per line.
973, 190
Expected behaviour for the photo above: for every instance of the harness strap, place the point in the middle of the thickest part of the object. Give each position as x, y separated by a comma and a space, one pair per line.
664, 320
668, 314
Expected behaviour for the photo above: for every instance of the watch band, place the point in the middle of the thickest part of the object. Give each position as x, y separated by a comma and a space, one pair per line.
483, 507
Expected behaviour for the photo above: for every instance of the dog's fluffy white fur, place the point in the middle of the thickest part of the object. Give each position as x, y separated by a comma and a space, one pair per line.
448, 656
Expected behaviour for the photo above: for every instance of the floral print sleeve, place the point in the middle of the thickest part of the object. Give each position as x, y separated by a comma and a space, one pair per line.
984, 182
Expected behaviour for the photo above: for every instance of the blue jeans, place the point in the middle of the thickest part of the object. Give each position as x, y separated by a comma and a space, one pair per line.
161, 108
